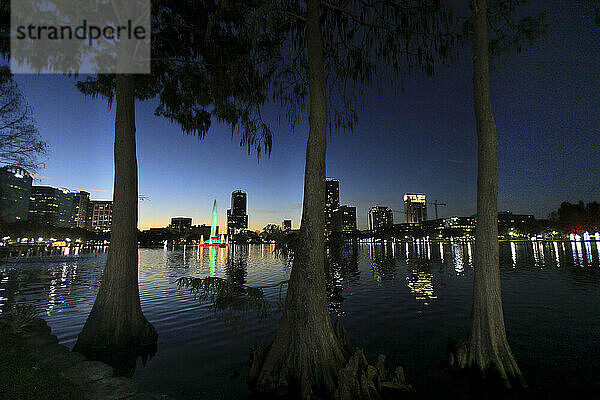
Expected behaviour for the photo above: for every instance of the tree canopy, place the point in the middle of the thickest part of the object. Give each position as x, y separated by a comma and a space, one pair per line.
364, 43
202, 71
577, 217
20, 142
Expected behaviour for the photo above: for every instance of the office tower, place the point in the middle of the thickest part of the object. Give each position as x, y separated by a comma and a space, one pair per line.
181, 224
348, 218
333, 193
380, 217
81, 202
15, 191
415, 207
332, 203
238, 203
286, 225
100, 215
237, 219
50, 206
344, 219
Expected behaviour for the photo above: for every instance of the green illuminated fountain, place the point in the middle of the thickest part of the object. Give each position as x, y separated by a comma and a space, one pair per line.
213, 225
214, 240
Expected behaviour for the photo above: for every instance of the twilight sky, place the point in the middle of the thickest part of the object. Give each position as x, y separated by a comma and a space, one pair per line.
547, 108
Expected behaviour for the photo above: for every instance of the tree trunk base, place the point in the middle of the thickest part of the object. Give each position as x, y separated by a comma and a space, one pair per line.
297, 372
352, 379
489, 364
101, 335
359, 380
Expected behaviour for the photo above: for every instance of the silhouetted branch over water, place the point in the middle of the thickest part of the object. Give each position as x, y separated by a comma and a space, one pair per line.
224, 295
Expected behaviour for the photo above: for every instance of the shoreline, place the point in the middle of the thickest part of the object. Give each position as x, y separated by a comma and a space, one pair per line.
36, 366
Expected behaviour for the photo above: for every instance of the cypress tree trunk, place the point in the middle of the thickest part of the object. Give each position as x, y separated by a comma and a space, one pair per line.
306, 354
486, 348
116, 320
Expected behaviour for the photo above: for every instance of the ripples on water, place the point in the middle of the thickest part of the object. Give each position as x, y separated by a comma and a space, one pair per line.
403, 300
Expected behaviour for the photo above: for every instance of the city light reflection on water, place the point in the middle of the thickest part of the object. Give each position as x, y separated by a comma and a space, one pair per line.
421, 286
513, 254
457, 255
400, 299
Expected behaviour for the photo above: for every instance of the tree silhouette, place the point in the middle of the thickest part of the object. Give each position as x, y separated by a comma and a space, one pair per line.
577, 217
331, 52
197, 76
485, 350
20, 143
271, 232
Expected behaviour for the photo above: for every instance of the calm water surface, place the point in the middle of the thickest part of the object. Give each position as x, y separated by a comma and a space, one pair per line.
402, 300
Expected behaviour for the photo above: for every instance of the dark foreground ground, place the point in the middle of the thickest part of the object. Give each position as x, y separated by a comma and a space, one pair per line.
24, 377
34, 366
21, 376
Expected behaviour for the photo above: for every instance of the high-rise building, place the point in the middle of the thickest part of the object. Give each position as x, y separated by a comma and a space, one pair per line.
81, 202
238, 202
50, 206
333, 193
237, 219
100, 215
332, 203
380, 217
415, 207
346, 218
286, 225
181, 224
15, 191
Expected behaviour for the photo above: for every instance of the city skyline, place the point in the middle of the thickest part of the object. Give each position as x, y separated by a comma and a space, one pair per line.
398, 147
62, 208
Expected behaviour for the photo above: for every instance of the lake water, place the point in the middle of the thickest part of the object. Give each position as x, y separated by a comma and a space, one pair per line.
403, 300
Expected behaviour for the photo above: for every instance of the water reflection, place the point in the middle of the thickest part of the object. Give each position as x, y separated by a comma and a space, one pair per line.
420, 284
588, 250
577, 253
24, 282
341, 269
124, 361
52, 282
379, 289
470, 253
236, 269
458, 258
3, 282
538, 254
513, 254
420, 280
213, 258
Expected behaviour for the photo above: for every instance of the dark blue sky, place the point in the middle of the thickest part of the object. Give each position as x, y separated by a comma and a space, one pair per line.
546, 102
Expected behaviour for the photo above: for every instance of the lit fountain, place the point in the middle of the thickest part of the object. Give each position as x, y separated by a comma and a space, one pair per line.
214, 240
